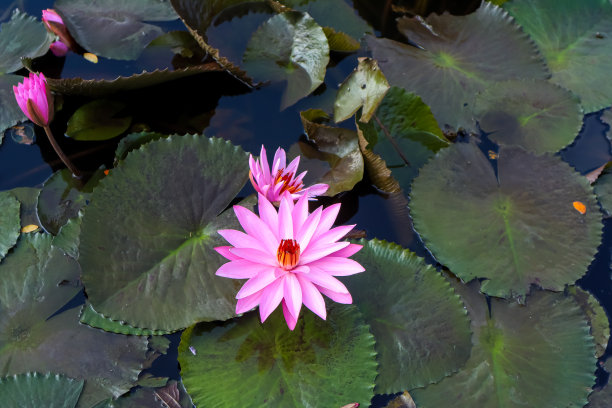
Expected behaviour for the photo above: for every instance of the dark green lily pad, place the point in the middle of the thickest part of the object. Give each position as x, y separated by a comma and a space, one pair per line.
602, 398
9, 220
10, 112
246, 363
180, 42
576, 40
366, 86
94, 319
537, 115
338, 147
37, 280
62, 196
34, 390
148, 233
67, 239
603, 190
535, 355
28, 197
172, 395
114, 28
402, 401
339, 41
506, 228
404, 133
22, 36
421, 327
376, 168
458, 57
98, 120
596, 316
290, 46
134, 141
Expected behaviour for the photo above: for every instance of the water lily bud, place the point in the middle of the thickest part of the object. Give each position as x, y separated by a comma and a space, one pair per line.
34, 99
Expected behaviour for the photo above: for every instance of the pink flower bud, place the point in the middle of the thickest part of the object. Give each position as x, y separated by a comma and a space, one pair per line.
34, 99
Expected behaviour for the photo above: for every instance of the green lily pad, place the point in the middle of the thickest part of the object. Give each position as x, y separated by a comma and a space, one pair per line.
172, 395
180, 42
376, 168
28, 197
67, 239
22, 36
456, 57
421, 327
114, 28
62, 196
535, 355
246, 363
339, 41
9, 220
94, 319
402, 401
576, 40
534, 114
366, 86
603, 190
10, 112
34, 390
289, 46
597, 318
404, 133
147, 235
39, 279
602, 398
98, 120
337, 146
506, 228
134, 141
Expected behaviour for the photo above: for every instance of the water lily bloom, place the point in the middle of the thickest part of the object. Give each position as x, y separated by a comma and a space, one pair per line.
273, 183
34, 99
289, 257
55, 25
58, 48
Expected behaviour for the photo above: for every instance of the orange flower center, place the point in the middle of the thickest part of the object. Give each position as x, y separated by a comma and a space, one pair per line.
288, 253
288, 185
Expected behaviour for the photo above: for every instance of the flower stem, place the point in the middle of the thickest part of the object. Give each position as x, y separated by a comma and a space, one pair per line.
60, 153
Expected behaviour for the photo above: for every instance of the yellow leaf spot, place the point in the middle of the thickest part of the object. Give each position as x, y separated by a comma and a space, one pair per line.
492, 155
29, 228
578, 206
91, 57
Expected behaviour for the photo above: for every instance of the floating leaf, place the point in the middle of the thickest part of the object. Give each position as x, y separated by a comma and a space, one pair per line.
148, 234
34, 390
10, 112
603, 190
172, 395
366, 86
289, 46
96, 320
134, 141
114, 28
538, 355
67, 239
536, 115
456, 57
37, 280
602, 398
98, 120
576, 40
246, 363
339, 41
338, 146
376, 167
596, 316
22, 36
506, 228
27, 196
9, 220
421, 327
402, 401
180, 42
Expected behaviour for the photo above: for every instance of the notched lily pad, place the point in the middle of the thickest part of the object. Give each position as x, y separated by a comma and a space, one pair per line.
172, 395
97, 320
10, 112
603, 190
22, 36
596, 316
34, 390
133, 141
339, 41
506, 228
98, 120
246, 363
10, 222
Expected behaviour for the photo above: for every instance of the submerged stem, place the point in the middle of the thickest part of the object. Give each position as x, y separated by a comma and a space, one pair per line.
60, 153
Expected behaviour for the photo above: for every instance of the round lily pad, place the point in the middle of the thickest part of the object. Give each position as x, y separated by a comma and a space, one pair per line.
534, 114
10, 112
421, 327
535, 355
147, 237
22, 36
34, 390
456, 57
603, 189
515, 228
246, 363
596, 316
9, 220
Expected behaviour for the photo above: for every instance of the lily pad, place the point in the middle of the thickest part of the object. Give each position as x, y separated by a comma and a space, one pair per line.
366, 86
455, 57
134, 141
34, 390
376, 168
22, 36
603, 190
602, 398
536, 115
172, 395
28, 197
114, 28
98, 120
576, 40
10, 113
9, 220
506, 227
245, 363
597, 318
337, 146
94, 319
67, 239
339, 41
535, 355
37, 280
147, 235
421, 327
289, 46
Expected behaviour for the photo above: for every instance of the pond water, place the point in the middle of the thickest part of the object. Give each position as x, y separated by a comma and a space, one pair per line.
218, 105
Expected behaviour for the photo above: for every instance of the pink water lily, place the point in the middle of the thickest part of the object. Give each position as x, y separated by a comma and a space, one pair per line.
55, 25
34, 99
273, 183
289, 257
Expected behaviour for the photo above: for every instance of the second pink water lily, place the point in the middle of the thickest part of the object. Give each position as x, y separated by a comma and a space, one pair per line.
289, 257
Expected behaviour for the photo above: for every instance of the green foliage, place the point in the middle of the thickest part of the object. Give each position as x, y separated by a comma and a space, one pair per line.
9, 220
10, 113
22, 36
94, 319
34, 390
100, 119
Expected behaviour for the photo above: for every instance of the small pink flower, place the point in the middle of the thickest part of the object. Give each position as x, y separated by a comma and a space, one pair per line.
59, 49
288, 257
281, 178
34, 99
50, 18
55, 25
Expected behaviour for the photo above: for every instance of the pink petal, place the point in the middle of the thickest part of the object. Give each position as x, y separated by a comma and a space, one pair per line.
249, 302
257, 283
59, 49
292, 293
319, 249
317, 190
270, 299
268, 215
350, 250
328, 217
300, 212
335, 234
292, 167
311, 297
338, 266
291, 321
241, 240
265, 167
344, 298
240, 269
255, 256
285, 221
224, 251
320, 278
307, 230
255, 227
